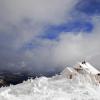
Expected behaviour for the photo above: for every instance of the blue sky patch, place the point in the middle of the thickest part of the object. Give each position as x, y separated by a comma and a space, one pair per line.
89, 7
75, 26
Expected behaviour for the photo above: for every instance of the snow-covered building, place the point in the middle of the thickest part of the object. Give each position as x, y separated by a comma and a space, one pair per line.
87, 68
69, 72
82, 68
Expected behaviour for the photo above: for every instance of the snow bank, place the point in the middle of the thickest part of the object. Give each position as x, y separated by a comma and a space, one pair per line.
55, 88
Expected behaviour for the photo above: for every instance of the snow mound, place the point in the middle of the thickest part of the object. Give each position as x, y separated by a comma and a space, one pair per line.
55, 88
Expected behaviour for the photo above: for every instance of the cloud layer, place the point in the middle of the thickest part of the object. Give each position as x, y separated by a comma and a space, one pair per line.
22, 24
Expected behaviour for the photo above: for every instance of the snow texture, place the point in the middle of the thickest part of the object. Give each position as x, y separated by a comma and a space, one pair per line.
55, 88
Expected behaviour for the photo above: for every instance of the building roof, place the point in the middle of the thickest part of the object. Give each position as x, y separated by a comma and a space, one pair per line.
89, 68
70, 69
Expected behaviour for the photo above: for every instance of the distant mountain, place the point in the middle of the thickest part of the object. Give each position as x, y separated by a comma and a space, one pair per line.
7, 78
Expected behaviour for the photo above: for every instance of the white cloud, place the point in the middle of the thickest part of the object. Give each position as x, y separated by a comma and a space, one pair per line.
68, 49
50, 11
39, 13
74, 48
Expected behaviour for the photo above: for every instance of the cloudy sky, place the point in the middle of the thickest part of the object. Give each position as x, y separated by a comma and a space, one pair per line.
46, 35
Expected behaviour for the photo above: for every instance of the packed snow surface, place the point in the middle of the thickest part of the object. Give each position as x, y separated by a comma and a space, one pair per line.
55, 88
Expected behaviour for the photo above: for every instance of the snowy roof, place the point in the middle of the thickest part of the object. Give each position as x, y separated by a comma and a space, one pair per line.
89, 68
70, 69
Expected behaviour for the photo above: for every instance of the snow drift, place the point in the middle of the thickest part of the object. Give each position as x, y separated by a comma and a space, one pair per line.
57, 87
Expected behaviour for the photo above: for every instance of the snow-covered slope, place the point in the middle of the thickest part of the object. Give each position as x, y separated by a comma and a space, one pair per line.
55, 88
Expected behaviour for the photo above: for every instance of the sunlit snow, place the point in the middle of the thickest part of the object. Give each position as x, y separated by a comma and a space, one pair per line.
55, 88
